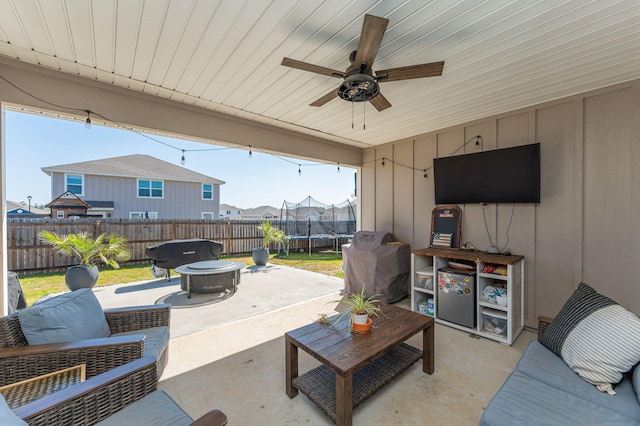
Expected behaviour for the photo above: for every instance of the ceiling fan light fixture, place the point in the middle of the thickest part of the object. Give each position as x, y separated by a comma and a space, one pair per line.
358, 88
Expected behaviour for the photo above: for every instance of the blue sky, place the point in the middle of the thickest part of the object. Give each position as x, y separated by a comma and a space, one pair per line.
34, 141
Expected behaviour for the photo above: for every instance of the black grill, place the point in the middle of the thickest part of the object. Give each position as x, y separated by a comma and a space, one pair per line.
174, 253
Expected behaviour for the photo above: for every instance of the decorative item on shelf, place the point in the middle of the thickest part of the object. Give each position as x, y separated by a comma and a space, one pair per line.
488, 268
360, 309
110, 250
446, 225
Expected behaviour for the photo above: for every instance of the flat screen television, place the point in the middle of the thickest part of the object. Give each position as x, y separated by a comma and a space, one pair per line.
507, 175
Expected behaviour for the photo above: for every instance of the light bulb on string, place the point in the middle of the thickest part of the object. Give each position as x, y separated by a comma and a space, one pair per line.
426, 175
87, 122
299, 170
250, 152
182, 160
382, 161
338, 167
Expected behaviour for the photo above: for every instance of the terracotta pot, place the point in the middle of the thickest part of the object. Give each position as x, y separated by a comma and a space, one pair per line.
362, 328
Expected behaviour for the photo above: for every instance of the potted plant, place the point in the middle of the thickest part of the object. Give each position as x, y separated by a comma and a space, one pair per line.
270, 234
360, 309
89, 251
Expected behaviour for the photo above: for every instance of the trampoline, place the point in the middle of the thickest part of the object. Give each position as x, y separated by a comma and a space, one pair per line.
318, 222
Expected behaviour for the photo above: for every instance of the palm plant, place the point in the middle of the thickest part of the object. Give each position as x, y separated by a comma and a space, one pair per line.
111, 251
270, 234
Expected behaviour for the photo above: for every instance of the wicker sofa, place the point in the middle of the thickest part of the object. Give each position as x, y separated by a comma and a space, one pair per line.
126, 395
543, 390
132, 333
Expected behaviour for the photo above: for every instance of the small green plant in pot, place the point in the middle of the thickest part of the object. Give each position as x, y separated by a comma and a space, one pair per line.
360, 309
270, 234
110, 250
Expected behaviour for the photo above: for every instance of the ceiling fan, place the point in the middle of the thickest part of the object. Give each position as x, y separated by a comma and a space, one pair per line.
360, 82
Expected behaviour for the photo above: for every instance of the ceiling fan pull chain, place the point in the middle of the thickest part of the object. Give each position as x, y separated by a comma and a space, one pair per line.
352, 103
364, 119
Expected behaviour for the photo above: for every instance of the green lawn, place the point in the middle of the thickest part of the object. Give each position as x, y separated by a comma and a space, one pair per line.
36, 286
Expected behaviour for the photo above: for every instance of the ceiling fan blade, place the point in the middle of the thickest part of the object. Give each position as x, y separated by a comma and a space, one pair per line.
326, 98
373, 29
433, 69
380, 102
287, 62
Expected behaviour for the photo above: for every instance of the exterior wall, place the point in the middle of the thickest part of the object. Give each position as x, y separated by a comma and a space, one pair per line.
584, 227
182, 200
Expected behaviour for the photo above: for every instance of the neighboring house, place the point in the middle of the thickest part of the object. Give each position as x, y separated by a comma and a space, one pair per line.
230, 212
261, 213
68, 205
133, 187
15, 209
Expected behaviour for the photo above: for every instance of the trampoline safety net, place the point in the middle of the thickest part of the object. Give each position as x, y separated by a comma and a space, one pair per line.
310, 218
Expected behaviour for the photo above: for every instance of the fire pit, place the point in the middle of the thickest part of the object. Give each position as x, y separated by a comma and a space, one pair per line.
210, 276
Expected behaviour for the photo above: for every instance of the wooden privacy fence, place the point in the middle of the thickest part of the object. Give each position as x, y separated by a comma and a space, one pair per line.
27, 254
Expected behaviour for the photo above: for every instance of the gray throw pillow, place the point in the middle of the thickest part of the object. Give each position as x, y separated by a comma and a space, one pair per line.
596, 337
69, 317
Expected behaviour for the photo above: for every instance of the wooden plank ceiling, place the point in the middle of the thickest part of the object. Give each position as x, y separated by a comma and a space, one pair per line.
226, 56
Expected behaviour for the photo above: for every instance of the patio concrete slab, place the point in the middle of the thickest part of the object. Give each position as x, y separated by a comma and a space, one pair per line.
261, 289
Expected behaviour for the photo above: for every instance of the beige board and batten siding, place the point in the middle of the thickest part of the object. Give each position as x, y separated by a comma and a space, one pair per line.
585, 227
181, 200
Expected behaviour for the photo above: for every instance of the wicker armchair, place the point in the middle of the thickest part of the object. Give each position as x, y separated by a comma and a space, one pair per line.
543, 323
19, 361
106, 394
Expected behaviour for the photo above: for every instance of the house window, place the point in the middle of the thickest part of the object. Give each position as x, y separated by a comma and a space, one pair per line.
74, 183
143, 215
207, 191
150, 188
60, 214
207, 215
228, 211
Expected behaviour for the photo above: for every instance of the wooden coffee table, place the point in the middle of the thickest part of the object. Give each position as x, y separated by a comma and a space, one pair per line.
356, 365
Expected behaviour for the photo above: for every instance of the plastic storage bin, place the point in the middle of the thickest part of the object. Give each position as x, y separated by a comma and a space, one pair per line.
425, 282
494, 322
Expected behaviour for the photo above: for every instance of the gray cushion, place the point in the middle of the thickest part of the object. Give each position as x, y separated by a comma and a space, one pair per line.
155, 342
155, 409
7, 417
526, 401
69, 317
541, 364
596, 337
636, 381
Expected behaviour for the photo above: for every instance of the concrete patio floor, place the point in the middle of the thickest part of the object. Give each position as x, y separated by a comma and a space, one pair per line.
230, 355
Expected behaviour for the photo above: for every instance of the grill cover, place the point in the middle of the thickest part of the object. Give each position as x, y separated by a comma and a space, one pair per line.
174, 253
381, 267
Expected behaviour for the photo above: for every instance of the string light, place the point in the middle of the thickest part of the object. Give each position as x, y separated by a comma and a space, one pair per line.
426, 175
382, 161
87, 123
119, 125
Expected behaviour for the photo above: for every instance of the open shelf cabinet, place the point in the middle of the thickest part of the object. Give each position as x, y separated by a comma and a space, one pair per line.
500, 322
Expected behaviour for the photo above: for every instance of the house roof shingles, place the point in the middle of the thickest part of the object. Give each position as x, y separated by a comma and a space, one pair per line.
135, 166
